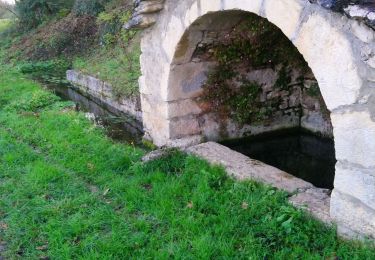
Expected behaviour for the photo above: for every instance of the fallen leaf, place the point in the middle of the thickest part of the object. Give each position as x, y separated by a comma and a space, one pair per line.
106, 192
190, 205
3, 226
42, 248
90, 166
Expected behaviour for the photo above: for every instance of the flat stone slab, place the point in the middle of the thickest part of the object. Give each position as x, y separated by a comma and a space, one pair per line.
315, 201
306, 196
242, 167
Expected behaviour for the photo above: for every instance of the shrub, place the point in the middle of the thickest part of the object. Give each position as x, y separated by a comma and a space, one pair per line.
66, 37
47, 70
89, 7
32, 13
51, 72
33, 103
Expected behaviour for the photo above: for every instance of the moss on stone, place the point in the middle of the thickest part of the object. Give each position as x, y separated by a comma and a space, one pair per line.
254, 43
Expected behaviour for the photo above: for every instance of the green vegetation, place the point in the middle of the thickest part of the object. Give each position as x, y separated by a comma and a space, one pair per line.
117, 61
114, 65
85, 35
68, 192
4, 24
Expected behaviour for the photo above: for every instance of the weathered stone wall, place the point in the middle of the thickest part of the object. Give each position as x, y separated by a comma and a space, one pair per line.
102, 91
286, 93
341, 53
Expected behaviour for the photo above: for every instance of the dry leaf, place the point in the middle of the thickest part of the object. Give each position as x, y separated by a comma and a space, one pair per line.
106, 192
90, 166
3, 226
42, 248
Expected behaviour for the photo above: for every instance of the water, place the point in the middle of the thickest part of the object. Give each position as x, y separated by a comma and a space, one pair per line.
301, 154
118, 125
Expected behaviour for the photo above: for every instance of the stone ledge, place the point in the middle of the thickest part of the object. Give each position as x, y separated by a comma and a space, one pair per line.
102, 91
242, 167
354, 218
314, 200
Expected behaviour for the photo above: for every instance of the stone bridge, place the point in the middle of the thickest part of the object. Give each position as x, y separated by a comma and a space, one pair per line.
339, 50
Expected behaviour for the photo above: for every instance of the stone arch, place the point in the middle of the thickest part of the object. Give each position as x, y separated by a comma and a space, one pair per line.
335, 49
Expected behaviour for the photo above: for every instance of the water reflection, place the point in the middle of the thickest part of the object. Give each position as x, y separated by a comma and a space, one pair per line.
118, 126
303, 155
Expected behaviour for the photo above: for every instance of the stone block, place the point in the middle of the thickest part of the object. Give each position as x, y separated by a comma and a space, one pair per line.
186, 80
146, 7
351, 214
252, 6
157, 128
183, 126
192, 14
244, 168
362, 32
285, 14
354, 134
211, 6
358, 183
154, 106
316, 201
171, 36
185, 142
182, 108
329, 53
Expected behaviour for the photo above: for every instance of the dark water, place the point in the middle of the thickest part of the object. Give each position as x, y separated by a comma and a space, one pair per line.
303, 155
118, 126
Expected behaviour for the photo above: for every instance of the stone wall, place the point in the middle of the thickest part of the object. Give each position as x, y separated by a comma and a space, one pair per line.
285, 91
102, 92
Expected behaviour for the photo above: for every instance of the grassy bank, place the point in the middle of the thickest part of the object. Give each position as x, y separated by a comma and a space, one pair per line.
4, 23
86, 36
69, 192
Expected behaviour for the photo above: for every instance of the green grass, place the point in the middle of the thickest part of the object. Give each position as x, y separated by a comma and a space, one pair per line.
4, 24
69, 192
114, 64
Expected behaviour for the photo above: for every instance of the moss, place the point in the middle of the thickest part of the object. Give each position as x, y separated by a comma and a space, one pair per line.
313, 91
284, 78
254, 43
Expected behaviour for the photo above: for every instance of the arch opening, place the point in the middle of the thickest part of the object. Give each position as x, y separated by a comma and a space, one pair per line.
245, 79
175, 69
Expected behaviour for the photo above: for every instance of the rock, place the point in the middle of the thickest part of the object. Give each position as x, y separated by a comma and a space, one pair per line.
316, 201
147, 7
157, 154
140, 21
244, 168
145, 14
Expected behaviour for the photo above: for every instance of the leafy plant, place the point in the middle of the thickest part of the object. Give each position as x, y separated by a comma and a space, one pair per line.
32, 13
38, 100
89, 7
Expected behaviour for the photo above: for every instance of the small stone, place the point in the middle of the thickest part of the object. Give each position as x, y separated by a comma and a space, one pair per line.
154, 155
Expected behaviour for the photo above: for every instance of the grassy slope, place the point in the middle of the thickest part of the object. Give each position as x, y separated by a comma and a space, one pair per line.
68, 192
114, 65
4, 23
